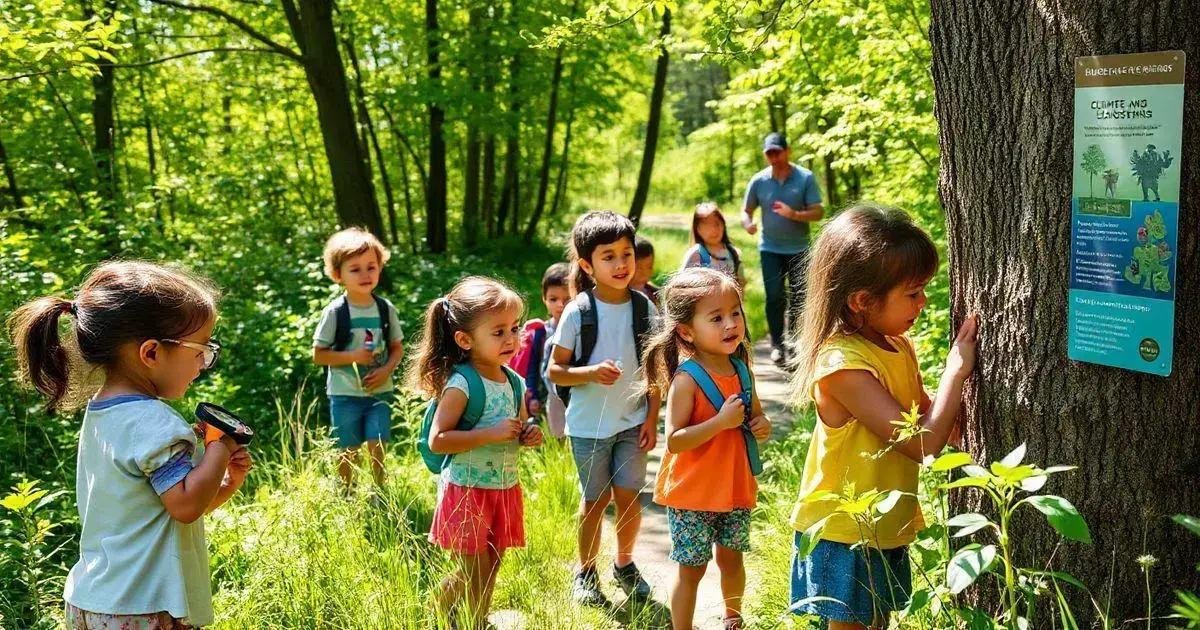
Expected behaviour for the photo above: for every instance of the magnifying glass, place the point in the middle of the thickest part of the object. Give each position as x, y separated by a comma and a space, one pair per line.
225, 420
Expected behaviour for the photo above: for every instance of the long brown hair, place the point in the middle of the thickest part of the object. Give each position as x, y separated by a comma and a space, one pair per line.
120, 302
680, 296
460, 309
867, 247
703, 211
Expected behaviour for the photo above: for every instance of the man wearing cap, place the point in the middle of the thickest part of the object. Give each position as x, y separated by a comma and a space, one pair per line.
790, 200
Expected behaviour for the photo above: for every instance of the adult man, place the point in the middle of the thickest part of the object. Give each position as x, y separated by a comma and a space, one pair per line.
790, 200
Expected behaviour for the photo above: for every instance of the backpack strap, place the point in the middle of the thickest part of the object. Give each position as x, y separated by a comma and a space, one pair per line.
341, 328
744, 377
747, 383
641, 321
476, 396
705, 256
514, 380
589, 325
705, 382
385, 318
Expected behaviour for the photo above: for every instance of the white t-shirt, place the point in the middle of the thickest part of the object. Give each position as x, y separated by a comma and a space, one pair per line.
134, 558
599, 411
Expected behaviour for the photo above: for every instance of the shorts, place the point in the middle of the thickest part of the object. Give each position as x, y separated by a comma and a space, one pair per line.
358, 419
836, 571
79, 619
472, 520
612, 461
693, 533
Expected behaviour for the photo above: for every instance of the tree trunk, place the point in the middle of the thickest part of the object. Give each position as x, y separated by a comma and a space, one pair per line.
10, 176
104, 129
353, 189
656, 100
831, 191
1005, 104
364, 115
548, 146
489, 184
509, 193
408, 204
435, 193
560, 186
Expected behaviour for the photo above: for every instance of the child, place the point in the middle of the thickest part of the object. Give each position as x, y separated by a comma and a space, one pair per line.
712, 247
867, 277
141, 485
611, 422
479, 512
533, 352
706, 480
359, 341
643, 252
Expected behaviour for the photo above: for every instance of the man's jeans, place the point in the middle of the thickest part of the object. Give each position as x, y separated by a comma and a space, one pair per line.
776, 268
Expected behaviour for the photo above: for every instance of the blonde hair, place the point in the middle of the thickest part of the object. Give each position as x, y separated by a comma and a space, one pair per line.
680, 296
867, 247
120, 302
347, 244
460, 309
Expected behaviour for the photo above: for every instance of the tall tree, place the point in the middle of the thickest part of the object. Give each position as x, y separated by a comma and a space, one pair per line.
312, 29
10, 176
435, 194
652, 123
1005, 104
548, 145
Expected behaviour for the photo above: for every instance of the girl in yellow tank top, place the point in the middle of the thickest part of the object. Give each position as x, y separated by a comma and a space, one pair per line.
866, 287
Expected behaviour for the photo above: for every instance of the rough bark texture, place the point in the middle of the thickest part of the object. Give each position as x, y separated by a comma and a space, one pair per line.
652, 123
1005, 87
548, 146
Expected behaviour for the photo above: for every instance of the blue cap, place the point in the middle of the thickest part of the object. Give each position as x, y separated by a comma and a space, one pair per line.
774, 142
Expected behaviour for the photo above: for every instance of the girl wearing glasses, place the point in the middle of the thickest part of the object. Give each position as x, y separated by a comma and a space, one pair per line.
141, 483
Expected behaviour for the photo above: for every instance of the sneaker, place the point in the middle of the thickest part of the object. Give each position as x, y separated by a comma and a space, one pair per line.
586, 589
630, 580
778, 356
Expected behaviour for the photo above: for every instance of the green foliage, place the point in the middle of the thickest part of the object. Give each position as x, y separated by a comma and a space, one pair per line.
27, 563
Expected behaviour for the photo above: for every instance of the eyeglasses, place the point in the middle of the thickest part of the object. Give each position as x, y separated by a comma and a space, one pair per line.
211, 350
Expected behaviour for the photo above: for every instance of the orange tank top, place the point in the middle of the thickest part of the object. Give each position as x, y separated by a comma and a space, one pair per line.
715, 476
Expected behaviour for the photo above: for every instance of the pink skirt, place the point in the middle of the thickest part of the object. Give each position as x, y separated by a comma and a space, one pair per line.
474, 520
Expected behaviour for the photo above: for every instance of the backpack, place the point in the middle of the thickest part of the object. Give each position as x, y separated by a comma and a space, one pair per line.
341, 331
588, 325
717, 400
706, 257
476, 395
528, 360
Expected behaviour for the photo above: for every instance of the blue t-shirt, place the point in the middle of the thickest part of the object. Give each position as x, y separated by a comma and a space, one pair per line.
780, 235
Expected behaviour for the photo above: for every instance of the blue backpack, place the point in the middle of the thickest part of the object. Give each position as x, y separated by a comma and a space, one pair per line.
717, 400
706, 256
476, 395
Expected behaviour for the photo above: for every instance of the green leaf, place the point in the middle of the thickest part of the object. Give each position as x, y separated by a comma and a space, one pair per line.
810, 538
965, 482
1014, 458
1190, 522
950, 461
1062, 515
967, 565
1033, 484
976, 471
917, 603
969, 523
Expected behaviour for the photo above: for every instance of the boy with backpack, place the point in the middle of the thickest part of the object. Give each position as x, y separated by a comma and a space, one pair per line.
611, 421
532, 357
360, 343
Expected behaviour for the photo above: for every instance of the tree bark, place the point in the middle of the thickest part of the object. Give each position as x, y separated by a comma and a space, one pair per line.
435, 193
364, 115
104, 129
656, 101
1004, 77
10, 176
560, 186
548, 146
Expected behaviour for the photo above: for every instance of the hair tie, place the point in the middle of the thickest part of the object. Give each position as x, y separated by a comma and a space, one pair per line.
72, 308
445, 302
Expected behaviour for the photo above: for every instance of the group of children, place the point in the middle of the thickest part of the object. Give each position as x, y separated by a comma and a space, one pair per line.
598, 370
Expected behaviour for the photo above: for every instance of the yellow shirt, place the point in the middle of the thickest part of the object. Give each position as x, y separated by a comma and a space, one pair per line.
841, 456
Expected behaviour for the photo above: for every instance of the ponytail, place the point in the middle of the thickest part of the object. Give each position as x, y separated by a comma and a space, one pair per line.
41, 357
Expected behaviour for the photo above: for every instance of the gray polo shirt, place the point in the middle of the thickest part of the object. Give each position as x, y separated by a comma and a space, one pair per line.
780, 235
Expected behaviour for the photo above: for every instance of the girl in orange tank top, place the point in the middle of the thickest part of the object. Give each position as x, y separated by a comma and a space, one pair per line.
706, 480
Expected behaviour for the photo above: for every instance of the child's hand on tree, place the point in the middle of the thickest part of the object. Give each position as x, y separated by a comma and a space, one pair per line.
760, 428
732, 413
961, 359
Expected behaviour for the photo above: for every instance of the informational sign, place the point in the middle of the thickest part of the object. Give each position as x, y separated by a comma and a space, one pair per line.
1125, 210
